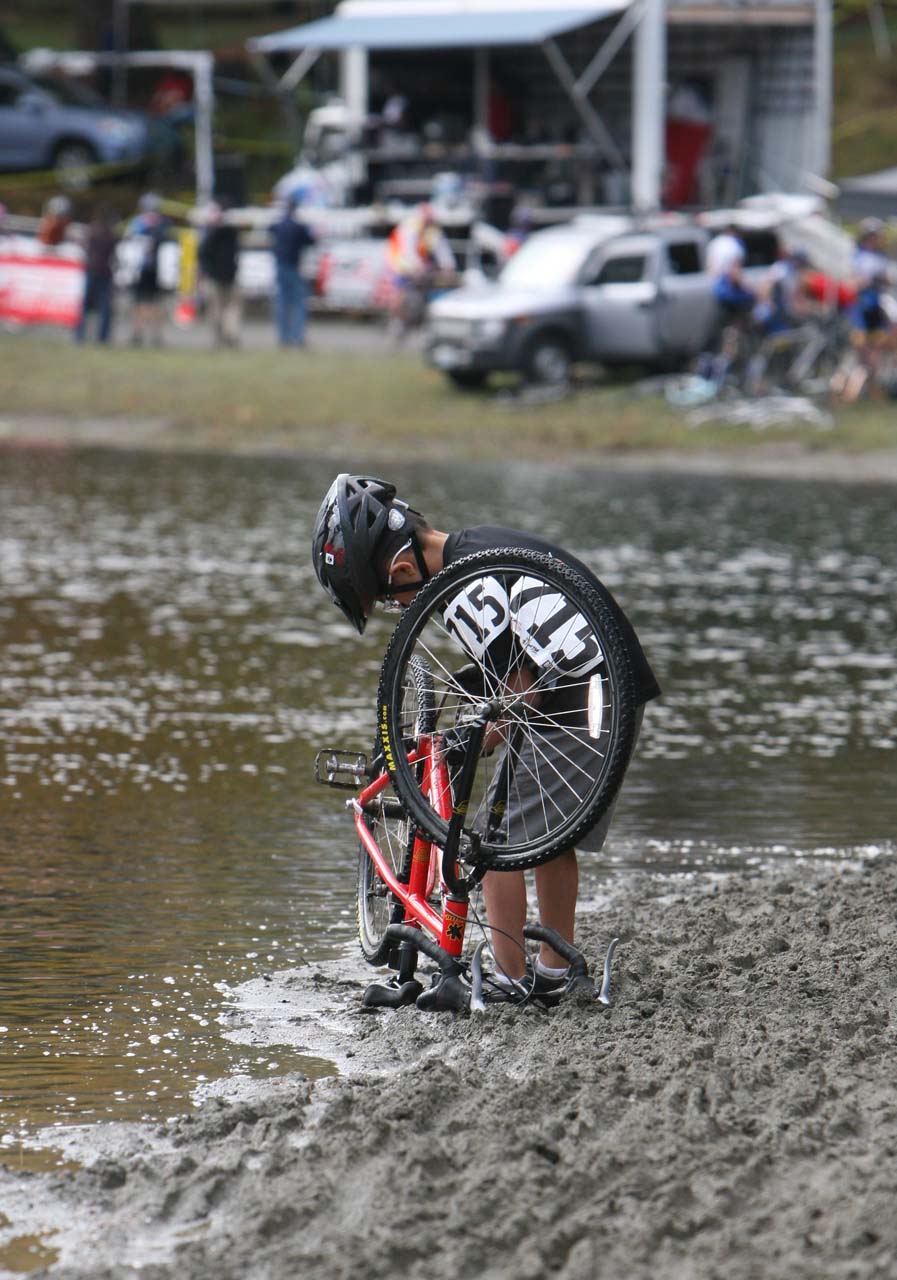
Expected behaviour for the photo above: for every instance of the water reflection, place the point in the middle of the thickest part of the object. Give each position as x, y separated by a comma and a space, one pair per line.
170, 667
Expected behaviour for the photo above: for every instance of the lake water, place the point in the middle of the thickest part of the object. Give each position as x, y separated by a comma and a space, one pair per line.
169, 667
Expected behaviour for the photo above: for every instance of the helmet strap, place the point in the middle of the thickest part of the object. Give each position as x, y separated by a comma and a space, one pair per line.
419, 557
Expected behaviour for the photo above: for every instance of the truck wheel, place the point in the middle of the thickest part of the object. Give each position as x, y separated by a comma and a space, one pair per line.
468, 379
548, 361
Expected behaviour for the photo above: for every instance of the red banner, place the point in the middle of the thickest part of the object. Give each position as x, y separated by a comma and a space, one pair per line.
39, 285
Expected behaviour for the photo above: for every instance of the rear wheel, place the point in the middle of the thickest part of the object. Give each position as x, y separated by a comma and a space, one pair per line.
394, 832
550, 671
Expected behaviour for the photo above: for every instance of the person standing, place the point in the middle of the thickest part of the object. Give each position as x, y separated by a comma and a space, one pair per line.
55, 222
726, 257
100, 248
871, 331
289, 240
784, 302
218, 261
150, 230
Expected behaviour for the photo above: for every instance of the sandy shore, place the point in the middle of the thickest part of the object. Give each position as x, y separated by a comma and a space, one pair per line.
733, 1115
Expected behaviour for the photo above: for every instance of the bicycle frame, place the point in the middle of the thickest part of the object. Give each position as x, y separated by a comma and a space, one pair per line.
448, 926
440, 934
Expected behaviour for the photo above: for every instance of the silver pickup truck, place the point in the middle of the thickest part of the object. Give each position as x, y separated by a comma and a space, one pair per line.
595, 289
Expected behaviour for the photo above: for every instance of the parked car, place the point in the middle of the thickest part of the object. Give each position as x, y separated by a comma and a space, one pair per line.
597, 289
53, 125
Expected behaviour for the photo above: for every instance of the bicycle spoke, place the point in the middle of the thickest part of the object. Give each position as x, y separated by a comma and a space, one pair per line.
450, 683
565, 729
540, 751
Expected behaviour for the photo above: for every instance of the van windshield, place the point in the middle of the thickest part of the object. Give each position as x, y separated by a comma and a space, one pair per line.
544, 262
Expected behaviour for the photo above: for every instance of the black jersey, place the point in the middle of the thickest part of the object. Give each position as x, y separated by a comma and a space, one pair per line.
466, 542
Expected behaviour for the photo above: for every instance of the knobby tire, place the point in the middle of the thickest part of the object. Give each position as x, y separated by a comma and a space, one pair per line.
376, 907
534, 742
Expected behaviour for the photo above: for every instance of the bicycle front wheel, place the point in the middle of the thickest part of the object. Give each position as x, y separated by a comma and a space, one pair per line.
547, 658
389, 824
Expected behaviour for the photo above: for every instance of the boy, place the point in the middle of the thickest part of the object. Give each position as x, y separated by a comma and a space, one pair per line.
369, 546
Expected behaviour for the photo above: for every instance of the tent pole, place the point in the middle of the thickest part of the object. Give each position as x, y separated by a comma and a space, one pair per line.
203, 133
611, 47
822, 87
594, 124
354, 82
354, 90
285, 102
648, 106
299, 69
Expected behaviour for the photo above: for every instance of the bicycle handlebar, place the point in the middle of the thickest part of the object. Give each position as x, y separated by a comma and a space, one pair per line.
406, 933
574, 957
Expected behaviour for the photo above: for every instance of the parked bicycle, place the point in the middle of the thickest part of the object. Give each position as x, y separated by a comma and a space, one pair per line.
804, 360
441, 801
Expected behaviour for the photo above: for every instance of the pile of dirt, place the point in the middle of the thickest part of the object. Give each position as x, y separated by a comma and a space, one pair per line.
733, 1114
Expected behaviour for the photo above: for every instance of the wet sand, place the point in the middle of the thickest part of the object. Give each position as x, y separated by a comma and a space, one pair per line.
733, 1115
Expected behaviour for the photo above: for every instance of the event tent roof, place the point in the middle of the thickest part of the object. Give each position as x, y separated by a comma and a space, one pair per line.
449, 26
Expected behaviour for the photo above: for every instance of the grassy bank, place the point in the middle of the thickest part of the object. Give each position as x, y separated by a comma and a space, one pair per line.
328, 402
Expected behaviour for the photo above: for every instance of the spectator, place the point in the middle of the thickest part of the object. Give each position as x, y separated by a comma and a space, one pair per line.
871, 272
100, 248
519, 230
218, 261
54, 224
150, 229
393, 120
870, 327
289, 240
726, 256
172, 97
785, 300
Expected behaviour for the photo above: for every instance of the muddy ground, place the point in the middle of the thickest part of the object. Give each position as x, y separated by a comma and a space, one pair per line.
734, 1115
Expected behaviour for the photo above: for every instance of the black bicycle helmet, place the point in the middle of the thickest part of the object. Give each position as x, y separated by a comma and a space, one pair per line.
361, 521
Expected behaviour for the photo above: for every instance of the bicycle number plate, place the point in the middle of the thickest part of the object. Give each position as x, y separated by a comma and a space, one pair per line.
344, 769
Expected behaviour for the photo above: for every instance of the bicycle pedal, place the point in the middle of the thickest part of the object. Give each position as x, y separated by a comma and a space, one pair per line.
391, 995
345, 770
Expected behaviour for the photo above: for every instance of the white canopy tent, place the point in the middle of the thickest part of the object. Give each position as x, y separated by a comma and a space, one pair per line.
359, 27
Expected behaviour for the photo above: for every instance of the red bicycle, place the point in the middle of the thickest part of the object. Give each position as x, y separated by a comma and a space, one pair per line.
496, 765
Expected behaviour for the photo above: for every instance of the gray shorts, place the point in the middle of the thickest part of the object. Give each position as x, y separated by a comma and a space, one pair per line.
542, 792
